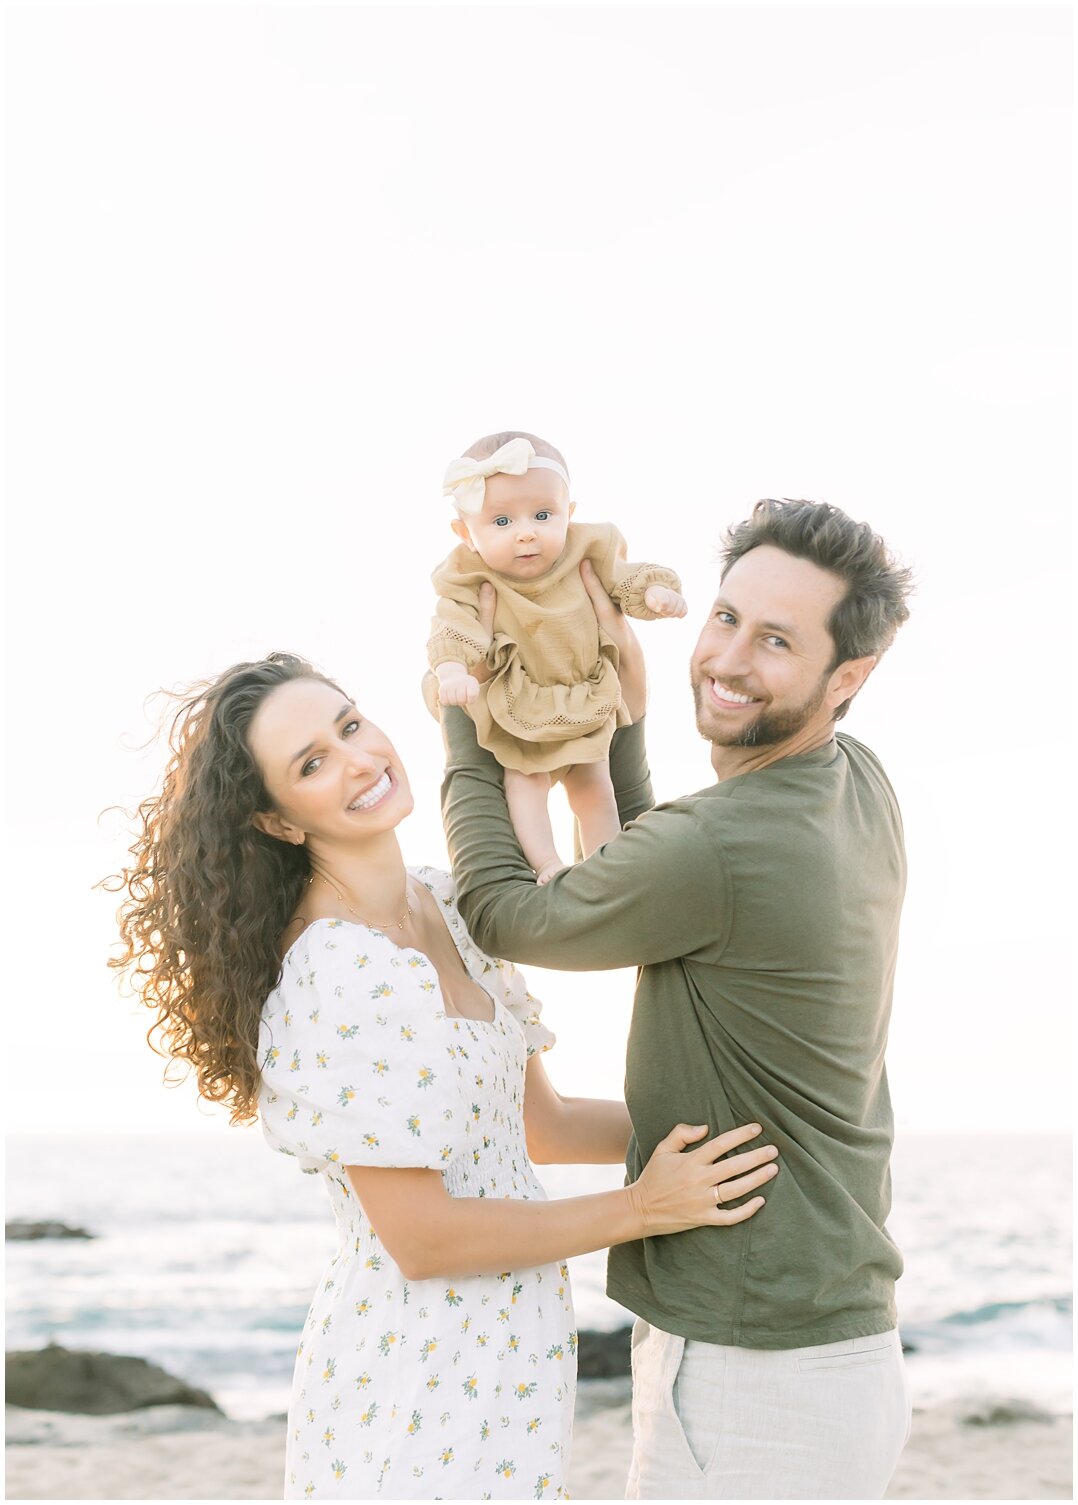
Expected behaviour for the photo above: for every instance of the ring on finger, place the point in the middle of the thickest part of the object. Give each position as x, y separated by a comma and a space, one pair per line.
718, 1194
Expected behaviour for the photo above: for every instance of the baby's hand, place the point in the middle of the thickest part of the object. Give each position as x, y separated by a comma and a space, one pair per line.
664, 602
461, 689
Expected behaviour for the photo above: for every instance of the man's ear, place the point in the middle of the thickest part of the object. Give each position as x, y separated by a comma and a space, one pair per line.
572, 508
848, 678
460, 528
271, 824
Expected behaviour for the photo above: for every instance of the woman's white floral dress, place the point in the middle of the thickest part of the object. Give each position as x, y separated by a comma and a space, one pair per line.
430, 1389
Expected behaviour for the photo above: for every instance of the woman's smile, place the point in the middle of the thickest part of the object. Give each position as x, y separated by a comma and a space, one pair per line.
374, 793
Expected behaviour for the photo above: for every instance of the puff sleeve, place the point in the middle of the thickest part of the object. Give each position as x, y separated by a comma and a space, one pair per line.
456, 634
500, 977
358, 1062
524, 1008
626, 583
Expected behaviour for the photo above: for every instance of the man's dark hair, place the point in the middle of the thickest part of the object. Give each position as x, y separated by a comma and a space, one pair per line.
877, 587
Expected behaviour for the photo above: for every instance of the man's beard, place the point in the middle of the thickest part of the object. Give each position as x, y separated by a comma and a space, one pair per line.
769, 726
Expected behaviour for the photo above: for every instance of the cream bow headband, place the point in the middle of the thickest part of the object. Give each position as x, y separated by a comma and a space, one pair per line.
466, 479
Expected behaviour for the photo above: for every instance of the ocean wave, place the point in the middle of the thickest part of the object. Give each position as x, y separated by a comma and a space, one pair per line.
1044, 1322
208, 1254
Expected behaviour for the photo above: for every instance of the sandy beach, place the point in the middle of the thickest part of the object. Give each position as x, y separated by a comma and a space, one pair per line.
974, 1451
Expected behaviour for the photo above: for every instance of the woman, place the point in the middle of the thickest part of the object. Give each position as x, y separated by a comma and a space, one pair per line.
308, 976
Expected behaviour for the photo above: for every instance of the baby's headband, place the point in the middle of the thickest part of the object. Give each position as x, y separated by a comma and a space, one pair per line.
466, 479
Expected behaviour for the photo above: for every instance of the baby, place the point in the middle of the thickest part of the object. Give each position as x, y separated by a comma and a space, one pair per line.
552, 700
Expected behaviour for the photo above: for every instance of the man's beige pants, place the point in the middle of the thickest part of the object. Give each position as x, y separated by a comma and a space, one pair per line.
717, 1423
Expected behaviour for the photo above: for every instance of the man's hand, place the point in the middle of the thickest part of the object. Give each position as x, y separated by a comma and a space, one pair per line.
488, 601
665, 602
631, 672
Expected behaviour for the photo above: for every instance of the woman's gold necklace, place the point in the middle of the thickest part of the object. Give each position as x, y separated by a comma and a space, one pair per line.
389, 925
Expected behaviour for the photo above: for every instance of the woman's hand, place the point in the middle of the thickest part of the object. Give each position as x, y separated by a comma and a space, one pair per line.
631, 672
681, 1188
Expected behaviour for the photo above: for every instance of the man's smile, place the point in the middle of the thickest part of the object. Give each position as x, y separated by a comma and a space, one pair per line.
729, 699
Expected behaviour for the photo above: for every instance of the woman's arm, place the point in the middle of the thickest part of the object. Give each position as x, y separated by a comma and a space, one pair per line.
571, 1130
429, 1233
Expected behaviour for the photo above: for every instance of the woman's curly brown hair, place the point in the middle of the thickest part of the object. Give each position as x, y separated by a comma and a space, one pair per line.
208, 894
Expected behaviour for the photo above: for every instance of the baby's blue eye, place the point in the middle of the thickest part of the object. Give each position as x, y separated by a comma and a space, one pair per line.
501, 522
542, 517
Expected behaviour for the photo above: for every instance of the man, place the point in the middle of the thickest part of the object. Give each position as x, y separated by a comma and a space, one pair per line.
763, 913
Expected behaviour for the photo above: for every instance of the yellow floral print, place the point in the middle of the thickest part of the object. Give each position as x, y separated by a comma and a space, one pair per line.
377, 1074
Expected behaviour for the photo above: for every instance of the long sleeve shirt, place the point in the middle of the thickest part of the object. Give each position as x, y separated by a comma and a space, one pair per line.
553, 697
762, 912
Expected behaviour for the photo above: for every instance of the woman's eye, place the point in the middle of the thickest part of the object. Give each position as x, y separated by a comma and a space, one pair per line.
349, 727
542, 517
311, 766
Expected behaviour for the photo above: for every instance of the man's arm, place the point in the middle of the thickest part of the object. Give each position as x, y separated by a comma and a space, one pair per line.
629, 772
657, 891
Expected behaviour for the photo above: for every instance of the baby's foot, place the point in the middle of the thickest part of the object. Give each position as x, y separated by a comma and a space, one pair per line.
548, 871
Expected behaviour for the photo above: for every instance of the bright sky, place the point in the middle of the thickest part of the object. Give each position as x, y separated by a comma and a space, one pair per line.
272, 267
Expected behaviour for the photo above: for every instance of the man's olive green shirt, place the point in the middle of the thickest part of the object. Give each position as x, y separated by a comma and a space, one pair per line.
763, 914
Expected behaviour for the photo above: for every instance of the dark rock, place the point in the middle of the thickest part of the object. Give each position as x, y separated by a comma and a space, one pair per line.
96, 1384
21, 1231
1001, 1413
602, 1356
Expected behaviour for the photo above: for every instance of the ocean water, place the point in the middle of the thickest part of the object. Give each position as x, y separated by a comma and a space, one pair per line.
208, 1249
